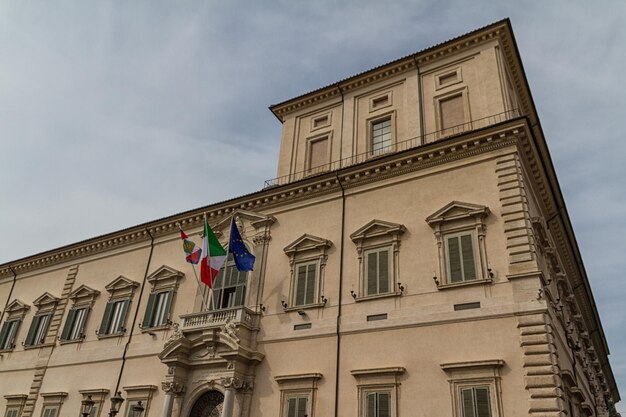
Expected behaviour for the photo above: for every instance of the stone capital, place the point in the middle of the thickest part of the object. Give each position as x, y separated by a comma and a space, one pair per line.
173, 387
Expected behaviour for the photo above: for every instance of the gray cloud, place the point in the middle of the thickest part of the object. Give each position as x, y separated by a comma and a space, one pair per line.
115, 113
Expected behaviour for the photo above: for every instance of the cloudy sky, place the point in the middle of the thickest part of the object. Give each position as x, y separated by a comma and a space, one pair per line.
117, 113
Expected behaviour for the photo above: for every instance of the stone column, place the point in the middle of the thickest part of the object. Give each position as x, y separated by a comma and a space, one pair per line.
230, 385
171, 389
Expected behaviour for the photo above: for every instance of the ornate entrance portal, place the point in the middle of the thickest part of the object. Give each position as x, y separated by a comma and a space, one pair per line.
209, 404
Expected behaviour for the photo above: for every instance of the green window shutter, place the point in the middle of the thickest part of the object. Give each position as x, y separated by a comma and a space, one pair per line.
483, 406
106, 319
383, 271
301, 406
30, 337
147, 318
292, 407
310, 284
69, 324
168, 306
469, 267
120, 325
467, 402
83, 322
384, 404
300, 285
372, 269
4, 335
371, 405
240, 295
454, 260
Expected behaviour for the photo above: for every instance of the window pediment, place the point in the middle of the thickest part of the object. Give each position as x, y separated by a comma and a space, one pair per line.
307, 242
257, 221
457, 210
45, 300
84, 294
17, 309
377, 228
122, 287
165, 277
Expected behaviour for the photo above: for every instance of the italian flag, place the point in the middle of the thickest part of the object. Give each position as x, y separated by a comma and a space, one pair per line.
213, 256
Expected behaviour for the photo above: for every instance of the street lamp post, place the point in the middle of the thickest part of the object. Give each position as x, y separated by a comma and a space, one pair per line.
137, 410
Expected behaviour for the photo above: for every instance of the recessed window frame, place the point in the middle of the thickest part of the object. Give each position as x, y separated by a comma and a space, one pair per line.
40, 324
456, 219
218, 300
15, 404
321, 121
306, 264
467, 118
441, 75
164, 283
121, 292
366, 274
98, 397
377, 235
298, 386
306, 250
312, 170
381, 101
466, 275
15, 313
475, 374
378, 381
136, 393
83, 299
371, 123
52, 403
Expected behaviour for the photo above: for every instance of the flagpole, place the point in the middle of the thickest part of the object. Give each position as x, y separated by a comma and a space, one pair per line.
209, 261
201, 286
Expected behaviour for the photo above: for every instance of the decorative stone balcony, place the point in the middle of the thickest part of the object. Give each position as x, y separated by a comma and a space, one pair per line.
219, 318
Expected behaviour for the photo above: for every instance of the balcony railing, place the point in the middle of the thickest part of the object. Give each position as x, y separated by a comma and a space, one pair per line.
217, 318
395, 147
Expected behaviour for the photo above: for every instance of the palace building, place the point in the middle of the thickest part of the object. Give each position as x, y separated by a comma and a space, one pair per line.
414, 257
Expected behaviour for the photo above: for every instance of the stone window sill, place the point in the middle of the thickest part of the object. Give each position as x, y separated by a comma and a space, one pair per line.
304, 307
110, 336
465, 283
359, 299
41, 345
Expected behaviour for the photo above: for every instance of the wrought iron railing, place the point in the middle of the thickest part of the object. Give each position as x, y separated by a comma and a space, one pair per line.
218, 318
395, 147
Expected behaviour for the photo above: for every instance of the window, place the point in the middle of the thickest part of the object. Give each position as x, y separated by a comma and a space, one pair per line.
381, 136
318, 155
75, 324
377, 267
114, 318
307, 258
164, 283
297, 406
378, 248
15, 404
52, 403
136, 393
38, 330
460, 233
452, 112
378, 389
298, 394
121, 291
158, 310
83, 298
317, 122
475, 402
461, 263
97, 396
229, 288
306, 278
378, 404
475, 387
8, 333
448, 78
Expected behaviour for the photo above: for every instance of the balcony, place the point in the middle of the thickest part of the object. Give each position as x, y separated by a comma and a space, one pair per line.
218, 318
395, 147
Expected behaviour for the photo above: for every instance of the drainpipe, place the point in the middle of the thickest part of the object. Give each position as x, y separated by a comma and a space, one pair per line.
343, 111
132, 327
338, 325
10, 293
420, 98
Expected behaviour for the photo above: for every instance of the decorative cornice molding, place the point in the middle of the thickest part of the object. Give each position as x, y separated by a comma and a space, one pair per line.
499, 31
396, 164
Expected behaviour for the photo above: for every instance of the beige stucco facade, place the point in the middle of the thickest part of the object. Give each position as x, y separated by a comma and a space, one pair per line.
521, 328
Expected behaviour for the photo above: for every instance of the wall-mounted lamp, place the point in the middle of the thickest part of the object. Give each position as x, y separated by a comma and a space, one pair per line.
284, 303
323, 299
400, 288
353, 294
301, 313
436, 280
116, 403
262, 308
137, 410
87, 406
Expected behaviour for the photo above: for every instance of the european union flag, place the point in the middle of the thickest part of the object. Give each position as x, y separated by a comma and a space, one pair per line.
244, 260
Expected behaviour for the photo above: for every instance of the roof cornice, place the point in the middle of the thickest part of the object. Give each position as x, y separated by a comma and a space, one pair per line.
498, 30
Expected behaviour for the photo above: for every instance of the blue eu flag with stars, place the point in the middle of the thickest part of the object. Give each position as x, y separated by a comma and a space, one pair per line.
242, 257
